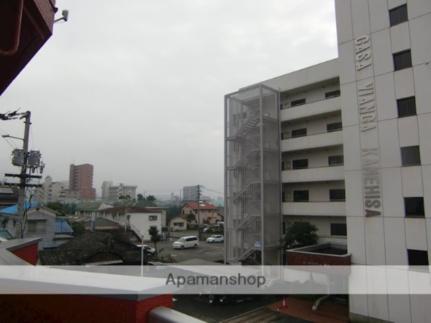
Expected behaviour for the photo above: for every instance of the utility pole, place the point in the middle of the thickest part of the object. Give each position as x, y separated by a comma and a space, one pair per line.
23, 177
26, 160
199, 210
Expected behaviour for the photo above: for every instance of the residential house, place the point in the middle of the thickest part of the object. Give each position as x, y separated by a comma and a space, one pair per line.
41, 223
203, 213
178, 224
139, 220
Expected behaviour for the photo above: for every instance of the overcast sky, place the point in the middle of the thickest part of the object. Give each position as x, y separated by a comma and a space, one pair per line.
136, 87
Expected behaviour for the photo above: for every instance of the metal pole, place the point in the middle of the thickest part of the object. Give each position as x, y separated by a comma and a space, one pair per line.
199, 212
23, 176
142, 255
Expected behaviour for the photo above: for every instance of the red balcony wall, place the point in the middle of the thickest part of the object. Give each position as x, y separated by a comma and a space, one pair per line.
28, 253
295, 258
78, 308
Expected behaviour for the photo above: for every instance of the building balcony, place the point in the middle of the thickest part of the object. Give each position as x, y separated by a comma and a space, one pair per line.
315, 208
25, 26
319, 174
325, 139
310, 109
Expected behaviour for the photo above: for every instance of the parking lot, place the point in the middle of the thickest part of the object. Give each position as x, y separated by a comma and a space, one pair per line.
206, 251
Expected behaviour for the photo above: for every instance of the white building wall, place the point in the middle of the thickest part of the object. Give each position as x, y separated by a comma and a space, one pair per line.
141, 223
385, 239
316, 158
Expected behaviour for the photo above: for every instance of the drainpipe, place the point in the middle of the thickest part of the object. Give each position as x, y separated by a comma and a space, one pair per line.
318, 301
17, 36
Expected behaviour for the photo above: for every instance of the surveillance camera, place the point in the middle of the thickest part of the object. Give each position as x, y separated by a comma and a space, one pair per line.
65, 14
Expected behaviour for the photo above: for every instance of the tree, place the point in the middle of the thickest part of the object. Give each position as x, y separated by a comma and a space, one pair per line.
78, 228
144, 202
59, 208
151, 198
191, 217
300, 234
155, 236
172, 212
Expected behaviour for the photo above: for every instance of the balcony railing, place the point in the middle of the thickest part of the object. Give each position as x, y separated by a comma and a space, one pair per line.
326, 173
317, 208
289, 106
311, 141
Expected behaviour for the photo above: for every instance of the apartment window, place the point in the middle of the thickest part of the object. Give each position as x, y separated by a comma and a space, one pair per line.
337, 195
336, 160
299, 132
402, 60
152, 217
300, 163
339, 229
398, 15
414, 206
335, 126
300, 196
332, 94
410, 156
417, 257
295, 103
406, 107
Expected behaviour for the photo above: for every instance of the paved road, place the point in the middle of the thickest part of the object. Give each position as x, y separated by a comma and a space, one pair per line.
205, 251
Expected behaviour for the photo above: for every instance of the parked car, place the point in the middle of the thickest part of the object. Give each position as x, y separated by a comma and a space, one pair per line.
186, 242
147, 248
215, 238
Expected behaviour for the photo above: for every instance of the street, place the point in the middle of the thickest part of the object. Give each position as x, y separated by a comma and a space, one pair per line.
206, 251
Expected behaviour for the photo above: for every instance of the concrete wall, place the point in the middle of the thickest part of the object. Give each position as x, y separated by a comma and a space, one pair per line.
385, 238
318, 192
316, 158
314, 126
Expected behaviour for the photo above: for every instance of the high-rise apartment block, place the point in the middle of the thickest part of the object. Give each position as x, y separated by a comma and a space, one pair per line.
190, 193
345, 145
105, 189
81, 181
113, 193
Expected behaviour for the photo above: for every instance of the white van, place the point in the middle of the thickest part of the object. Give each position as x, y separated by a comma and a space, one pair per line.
186, 242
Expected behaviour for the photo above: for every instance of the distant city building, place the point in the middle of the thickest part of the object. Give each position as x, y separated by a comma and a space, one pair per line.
190, 193
81, 181
105, 189
52, 191
113, 193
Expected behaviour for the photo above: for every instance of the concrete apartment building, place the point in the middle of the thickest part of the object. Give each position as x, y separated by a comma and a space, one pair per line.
190, 193
105, 189
81, 181
352, 154
115, 192
52, 191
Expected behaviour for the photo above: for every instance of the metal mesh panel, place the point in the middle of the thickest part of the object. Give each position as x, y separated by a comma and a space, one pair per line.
252, 174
